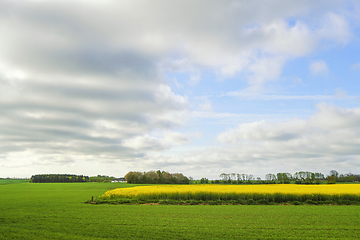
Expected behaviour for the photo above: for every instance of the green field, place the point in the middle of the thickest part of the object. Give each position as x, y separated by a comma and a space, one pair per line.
4, 181
57, 211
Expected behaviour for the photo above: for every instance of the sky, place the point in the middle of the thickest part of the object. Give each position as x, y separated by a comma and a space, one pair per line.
199, 87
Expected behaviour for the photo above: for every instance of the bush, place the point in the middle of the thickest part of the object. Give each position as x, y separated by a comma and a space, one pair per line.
250, 202
262, 202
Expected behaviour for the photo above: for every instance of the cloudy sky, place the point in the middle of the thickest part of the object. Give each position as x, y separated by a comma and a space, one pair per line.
199, 87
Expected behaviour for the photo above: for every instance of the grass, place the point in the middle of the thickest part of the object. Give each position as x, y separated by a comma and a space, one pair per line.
4, 181
57, 211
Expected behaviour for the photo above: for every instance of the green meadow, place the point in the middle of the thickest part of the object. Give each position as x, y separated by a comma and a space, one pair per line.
58, 211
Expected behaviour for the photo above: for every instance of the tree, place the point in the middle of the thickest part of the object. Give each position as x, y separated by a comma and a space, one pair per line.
331, 180
156, 177
334, 173
243, 176
56, 178
179, 178
204, 180
310, 177
270, 177
224, 176
284, 177
287, 177
302, 177
129, 177
349, 177
152, 177
249, 177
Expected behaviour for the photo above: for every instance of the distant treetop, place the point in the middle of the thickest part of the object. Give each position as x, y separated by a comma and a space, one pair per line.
158, 177
58, 178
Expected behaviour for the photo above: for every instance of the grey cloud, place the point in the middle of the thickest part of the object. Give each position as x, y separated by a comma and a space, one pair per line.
101, 61
211, 34
70, 116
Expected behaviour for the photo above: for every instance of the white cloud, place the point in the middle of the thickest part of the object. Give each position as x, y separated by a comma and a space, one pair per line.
205, 106
262, 130
143, 143
326, 121
319, 143
331, 117
264, 70
247, 94
147, 142
355, 66
341, 94
277, 37
182, 65
335, 29
319, 68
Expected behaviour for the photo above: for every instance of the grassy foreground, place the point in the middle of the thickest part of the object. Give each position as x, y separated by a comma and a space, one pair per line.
57, 211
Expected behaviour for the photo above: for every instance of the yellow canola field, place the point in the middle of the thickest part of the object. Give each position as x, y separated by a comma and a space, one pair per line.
336, 189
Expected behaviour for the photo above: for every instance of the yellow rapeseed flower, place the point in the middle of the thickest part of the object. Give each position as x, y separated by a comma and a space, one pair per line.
336, 189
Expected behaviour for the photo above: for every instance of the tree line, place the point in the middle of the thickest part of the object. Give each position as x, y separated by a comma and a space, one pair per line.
65, 178
348, 177
101, 178
301, 177
158, 177
58, 178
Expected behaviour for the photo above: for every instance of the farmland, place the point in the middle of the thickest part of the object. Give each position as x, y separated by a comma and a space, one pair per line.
347, 194
57, 211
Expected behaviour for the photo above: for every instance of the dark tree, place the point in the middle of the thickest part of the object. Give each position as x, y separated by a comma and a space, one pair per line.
57, 178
